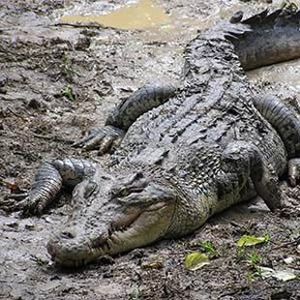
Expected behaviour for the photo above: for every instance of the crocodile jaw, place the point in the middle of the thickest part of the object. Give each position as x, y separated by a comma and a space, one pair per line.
150, 226
126, 232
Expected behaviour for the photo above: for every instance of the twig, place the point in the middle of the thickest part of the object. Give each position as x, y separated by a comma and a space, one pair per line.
77, 25
16, 114
53, 138
295, 242
90, 25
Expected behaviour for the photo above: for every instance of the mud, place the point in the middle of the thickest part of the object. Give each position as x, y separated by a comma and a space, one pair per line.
56, 82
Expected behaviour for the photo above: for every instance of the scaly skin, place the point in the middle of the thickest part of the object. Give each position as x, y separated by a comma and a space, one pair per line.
184, 154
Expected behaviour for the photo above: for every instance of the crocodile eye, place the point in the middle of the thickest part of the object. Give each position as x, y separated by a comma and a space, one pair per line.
119, 192
123, 192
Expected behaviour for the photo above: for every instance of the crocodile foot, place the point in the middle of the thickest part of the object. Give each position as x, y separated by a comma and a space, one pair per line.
104, 139
28, 204
14, 202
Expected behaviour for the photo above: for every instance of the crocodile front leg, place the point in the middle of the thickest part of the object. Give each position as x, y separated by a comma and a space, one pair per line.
284, 119
246, 161
49, 180
144, 99
286, 122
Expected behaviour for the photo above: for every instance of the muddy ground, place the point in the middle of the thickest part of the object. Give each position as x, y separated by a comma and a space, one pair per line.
56, 82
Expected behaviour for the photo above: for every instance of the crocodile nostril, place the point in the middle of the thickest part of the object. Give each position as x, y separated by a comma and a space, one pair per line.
67, 235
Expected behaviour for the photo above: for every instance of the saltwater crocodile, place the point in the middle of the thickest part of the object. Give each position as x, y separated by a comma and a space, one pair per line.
182, 154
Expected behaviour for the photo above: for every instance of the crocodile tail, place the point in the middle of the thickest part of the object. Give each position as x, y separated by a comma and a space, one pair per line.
267, 38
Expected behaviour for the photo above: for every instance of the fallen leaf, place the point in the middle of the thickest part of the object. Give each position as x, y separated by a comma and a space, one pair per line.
265, 272
195, 261
10, 184
251, 240
283, 275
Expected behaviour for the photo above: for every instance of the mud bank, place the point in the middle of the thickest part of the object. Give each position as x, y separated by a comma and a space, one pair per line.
56, 82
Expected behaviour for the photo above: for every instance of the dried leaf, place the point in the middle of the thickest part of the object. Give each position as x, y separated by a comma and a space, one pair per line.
265, 272
283, 275
10, 184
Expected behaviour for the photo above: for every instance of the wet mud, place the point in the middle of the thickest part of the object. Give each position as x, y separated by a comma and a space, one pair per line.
60, 78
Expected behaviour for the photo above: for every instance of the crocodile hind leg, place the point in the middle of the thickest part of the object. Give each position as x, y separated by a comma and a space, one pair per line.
247, 162
49, 180
144, 99
287, 124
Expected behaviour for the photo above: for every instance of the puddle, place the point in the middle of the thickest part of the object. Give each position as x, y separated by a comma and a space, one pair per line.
145, 14
142, 15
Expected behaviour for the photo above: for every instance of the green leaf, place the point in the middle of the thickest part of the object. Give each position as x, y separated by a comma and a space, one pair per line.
195, 261
251, 240
68, 93
254, 258
210, 249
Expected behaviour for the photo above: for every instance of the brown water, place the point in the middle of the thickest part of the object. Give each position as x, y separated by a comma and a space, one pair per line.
144, 14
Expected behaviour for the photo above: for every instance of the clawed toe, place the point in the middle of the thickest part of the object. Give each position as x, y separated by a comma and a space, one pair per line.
294, 171
103, 139
21, 202
14, 202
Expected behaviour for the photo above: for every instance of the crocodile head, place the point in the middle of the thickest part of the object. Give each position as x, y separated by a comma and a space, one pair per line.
112, 216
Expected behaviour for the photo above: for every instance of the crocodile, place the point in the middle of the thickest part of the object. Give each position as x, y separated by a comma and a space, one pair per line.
180, 154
